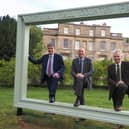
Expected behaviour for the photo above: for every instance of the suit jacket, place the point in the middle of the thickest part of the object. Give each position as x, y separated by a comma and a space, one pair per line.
87, 70
58, 65
112, 79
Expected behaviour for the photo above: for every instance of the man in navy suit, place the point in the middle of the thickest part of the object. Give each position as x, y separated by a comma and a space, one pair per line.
118, 81
52, 70
82, 70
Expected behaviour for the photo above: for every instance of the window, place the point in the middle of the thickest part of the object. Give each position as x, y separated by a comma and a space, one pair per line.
66, 30
90, 46
113, 46
77, 44
66, 43
102, 46
77, 31
91, 33
114, 34
103, 33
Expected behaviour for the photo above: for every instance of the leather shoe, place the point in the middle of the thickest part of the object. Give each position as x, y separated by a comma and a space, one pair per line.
79, 119
77, 103
52, 99
118, 109
118, 126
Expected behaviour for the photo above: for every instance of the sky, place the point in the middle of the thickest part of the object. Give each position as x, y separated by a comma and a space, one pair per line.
15, 7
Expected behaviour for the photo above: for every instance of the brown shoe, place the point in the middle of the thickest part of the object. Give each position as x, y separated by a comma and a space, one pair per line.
118, 108
118, 126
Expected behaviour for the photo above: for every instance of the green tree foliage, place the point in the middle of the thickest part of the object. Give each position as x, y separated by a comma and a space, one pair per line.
36, 50
7, 73
100, 72
68, 80
7, 37
35, 70
127, 40
35, 37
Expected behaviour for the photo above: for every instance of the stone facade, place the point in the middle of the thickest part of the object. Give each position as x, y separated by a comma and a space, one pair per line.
98, 41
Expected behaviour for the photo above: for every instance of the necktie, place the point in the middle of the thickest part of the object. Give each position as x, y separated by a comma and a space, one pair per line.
81, 66
49, 66
118, 72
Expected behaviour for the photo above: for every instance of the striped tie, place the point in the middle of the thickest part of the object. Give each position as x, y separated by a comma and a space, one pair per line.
49, 66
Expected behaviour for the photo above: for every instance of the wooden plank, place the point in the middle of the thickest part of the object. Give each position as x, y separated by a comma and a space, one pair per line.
79, 14
83, 111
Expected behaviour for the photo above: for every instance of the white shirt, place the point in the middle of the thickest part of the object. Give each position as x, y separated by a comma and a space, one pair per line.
52, 60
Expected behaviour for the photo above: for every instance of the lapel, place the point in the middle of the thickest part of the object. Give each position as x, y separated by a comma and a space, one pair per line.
78, 61
122, 68
77, 64
113, 70
47, 57
54, 60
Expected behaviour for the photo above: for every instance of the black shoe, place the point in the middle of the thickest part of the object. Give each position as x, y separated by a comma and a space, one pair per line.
52, 99
77, 103
79, 119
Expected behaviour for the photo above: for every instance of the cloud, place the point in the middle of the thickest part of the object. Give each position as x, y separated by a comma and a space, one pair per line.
15, 7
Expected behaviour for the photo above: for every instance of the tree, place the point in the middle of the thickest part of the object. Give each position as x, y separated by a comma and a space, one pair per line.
7, 37
35, 38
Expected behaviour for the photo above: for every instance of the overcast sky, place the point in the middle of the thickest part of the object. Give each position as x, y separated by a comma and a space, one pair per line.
15, 7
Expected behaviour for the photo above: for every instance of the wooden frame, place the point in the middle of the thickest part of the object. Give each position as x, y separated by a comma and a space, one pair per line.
78, 14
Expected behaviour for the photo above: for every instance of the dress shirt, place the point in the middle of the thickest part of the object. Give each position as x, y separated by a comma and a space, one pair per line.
52, 61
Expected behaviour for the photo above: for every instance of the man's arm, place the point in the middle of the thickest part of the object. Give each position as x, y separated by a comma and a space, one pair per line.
33, 60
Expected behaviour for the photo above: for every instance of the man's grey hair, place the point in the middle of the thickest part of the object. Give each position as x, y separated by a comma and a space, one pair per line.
50, 44
118, 51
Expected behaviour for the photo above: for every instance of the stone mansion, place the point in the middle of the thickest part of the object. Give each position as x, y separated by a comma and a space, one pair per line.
98, 41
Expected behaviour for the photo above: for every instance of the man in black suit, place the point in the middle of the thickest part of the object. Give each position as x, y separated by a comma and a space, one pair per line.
82, 70
118, 81
52, 70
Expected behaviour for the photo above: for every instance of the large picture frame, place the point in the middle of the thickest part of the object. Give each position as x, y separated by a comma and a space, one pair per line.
117, 10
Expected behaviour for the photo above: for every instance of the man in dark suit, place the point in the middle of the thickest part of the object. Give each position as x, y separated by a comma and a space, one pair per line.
52, 70
82, 70
118, 81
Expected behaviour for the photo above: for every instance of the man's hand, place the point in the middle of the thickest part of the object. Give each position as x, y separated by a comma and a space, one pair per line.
56, 75
79, 75
120, 82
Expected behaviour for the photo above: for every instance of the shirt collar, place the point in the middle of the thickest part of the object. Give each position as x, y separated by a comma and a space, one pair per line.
118, 64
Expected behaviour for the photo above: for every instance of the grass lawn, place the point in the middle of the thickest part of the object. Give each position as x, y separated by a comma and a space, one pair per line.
39, 120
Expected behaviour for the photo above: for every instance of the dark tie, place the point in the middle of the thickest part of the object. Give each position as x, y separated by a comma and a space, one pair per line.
81, 66
118, 72
49, 66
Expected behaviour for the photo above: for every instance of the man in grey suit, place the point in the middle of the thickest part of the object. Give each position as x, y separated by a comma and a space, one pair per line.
82, 70
118, 81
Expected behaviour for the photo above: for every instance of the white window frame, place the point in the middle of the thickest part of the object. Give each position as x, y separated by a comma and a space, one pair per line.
77, 44
91, 33
103, 33
66, 30
77, 31
66, 44
20, 89
90, 46
112, 46
103, 46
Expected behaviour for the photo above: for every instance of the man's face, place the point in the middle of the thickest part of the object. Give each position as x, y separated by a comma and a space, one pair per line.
50, 50
81, 52
117, 57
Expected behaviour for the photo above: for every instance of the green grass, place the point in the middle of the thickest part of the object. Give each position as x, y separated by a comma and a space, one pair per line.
38, 120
